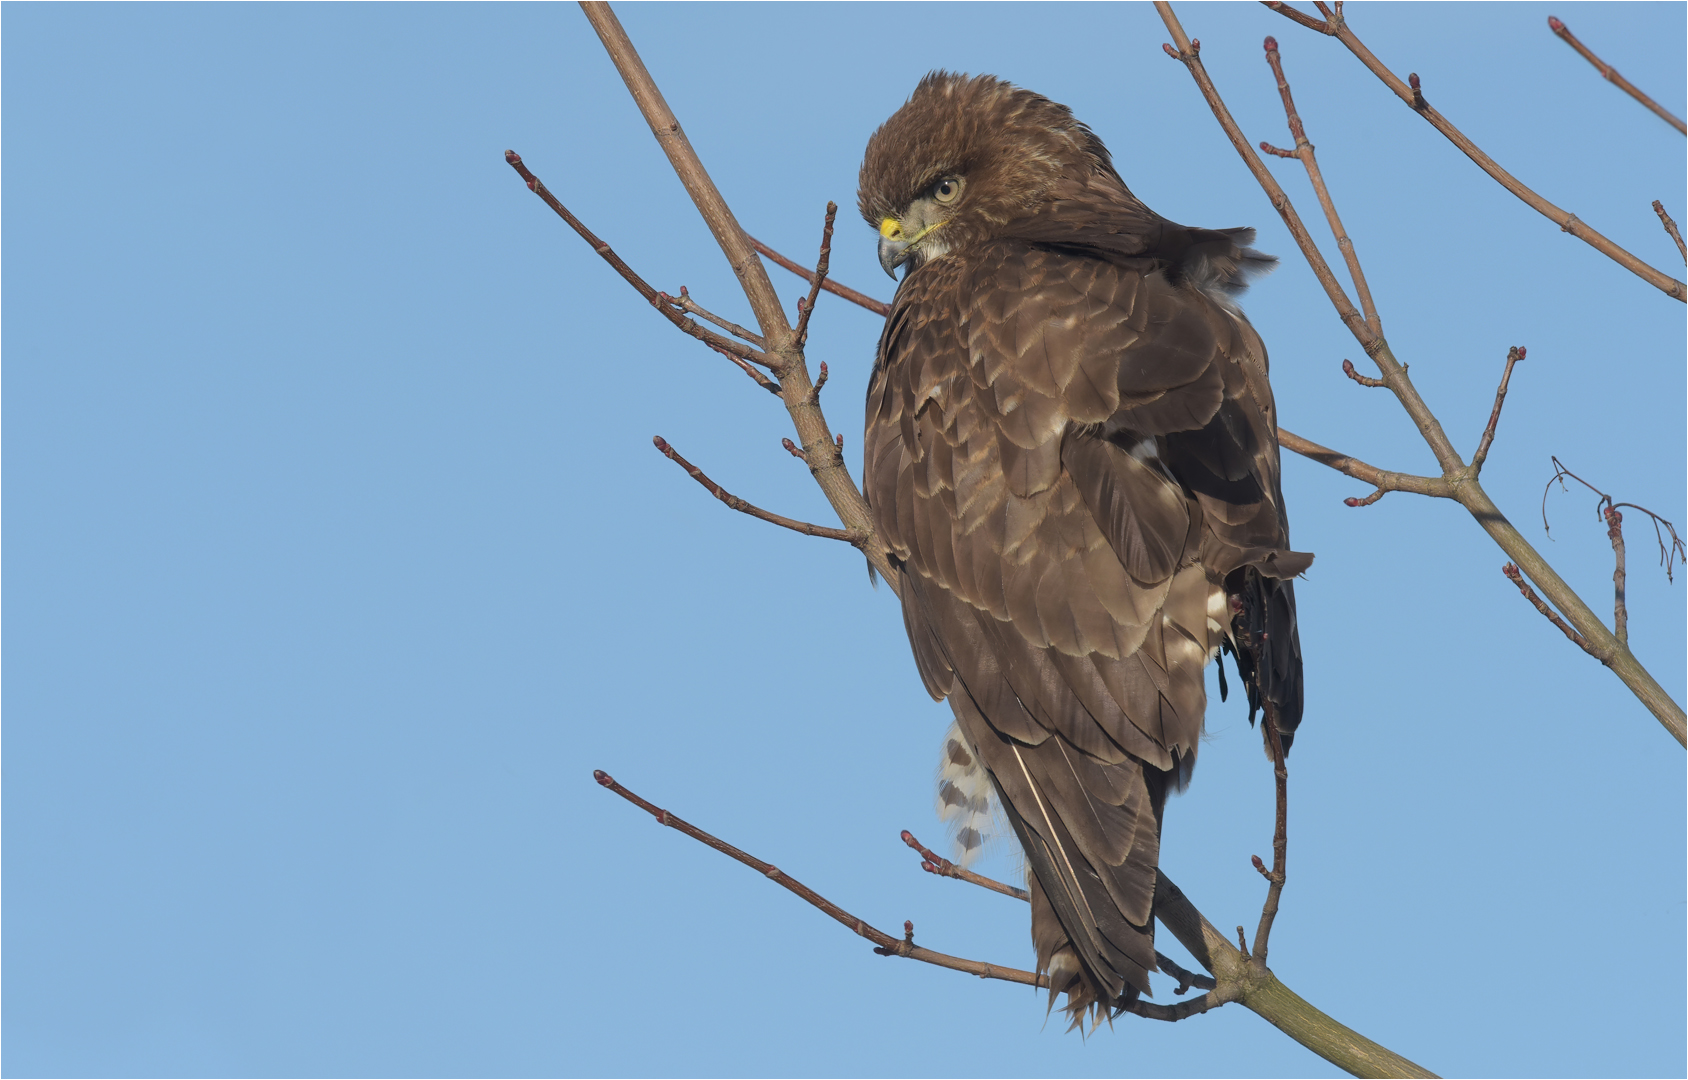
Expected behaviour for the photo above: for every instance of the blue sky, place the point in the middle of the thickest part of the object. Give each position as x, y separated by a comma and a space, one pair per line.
338, 556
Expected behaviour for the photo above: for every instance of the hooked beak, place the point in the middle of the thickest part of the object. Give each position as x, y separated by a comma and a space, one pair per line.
892, 254
893, 246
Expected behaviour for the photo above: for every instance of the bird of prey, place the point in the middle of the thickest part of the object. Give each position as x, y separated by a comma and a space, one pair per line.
1071, 454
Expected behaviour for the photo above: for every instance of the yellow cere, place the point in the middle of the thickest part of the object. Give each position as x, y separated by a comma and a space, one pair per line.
891, 229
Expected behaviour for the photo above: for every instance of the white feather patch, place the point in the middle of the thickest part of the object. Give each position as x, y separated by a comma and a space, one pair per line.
966, 800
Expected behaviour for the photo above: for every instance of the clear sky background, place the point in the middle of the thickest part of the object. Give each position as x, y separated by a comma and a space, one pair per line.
337, 554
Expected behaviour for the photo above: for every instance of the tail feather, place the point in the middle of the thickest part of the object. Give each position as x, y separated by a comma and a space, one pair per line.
1092, 844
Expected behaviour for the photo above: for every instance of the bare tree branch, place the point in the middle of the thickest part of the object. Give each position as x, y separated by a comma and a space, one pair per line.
1517, 578
1363, 380
1335, 25
933, 863
858, 298
1620, 612
754, 511
1236, 978
652, 297
1669, 551
806, 307
1304, 151
1381, 479
885, 944
1670, 227
821, 449
1280, 833
685, 303
1513, 355
1462, 483
1610, 74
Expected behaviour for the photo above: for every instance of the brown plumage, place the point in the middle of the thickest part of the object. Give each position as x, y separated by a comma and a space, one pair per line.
1071, 453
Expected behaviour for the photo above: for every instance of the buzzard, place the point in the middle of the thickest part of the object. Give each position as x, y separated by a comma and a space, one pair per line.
1071, 455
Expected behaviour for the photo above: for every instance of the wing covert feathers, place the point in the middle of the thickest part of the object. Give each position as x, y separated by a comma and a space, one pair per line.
1073, 460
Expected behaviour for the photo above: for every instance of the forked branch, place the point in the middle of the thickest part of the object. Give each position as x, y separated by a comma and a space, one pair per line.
884, 944
1304, 151
1335, 25
861, 299
1460, 480
753, 510
784, 347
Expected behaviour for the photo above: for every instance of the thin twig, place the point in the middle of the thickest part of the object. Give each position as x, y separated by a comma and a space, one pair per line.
933, 863
815, 396
762, 380
1188, 53
1382, 479
1364, 380
1513, 355
1303, 18
1414, 97
752, 276
1670, 227
860, 299
796, 388
1611, 75
1517, 578
1280, 832
1304, 151
818, 279
1669, 551
754, 511
685, 303
1467, 490
886, 945
1620, 610
652, 297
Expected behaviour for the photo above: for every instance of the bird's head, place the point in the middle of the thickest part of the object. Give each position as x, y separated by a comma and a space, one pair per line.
962, 159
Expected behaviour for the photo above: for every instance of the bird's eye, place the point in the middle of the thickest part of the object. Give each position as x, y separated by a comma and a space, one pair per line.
947, 191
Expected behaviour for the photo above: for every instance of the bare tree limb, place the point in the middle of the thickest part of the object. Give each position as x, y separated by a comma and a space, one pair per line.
933, 863
753, 278
885, 944
806, 307
1517, 578
858, 298
1363, 380
652, 297
1513, 355
1610, 74
1670, 227
1620, 612
685, 303
1236, 978
1669, 551
1280, 833
1337, 26
1304, 151
1463, 485
1381, 479
821, 449
754, 511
